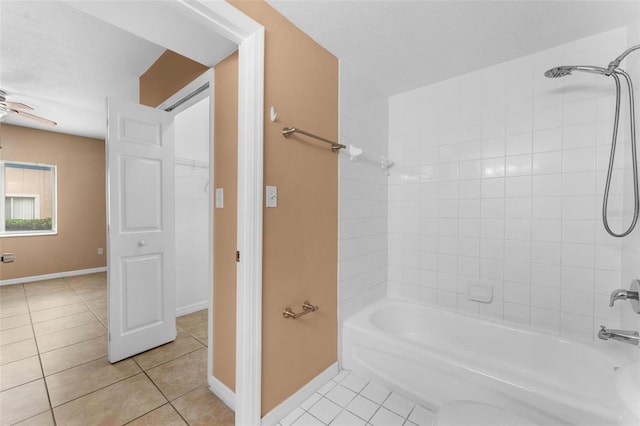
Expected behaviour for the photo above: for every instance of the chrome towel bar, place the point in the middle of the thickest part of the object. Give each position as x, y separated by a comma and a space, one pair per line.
288, 131
307, 308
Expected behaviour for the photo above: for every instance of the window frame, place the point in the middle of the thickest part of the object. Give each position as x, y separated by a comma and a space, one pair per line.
54, 201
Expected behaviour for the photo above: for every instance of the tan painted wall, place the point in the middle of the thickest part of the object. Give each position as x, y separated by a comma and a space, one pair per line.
225, 220
301, 234
81, 203
168, 74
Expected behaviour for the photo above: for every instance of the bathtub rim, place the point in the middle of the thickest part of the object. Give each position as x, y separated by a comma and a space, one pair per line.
626, 354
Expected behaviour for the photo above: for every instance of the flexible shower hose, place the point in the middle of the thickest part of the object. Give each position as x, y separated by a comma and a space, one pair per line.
634, 159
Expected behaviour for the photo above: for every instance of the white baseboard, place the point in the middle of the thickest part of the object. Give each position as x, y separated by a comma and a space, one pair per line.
52, 276
184, 310
223, 392
291, 403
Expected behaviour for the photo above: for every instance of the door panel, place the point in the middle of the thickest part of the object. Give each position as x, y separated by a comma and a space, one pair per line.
141, 259
141, 191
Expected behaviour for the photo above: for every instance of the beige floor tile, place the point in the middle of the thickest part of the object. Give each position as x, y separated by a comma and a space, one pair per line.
14, 310
165, 416
53, 300
114, 405
62, 311
83, 379
192, 320
44, 419
16, 334
181, 375
80, 280
12, 300
196, 324
89, 287
73, 355
15, 321
23, 402
98, 302
19, 372
17, 351
181, 346
11, 289
201, 333
202, 407
63, 323
45, 287
62, 298
59, 339
102, 314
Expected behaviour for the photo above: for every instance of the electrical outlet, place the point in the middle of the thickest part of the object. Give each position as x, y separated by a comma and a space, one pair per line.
100, 251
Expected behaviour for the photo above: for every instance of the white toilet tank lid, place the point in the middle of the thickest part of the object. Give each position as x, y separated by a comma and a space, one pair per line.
471, 413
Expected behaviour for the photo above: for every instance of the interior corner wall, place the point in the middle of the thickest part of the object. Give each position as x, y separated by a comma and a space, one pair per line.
363, 194
168, 74
300, 239
81, 204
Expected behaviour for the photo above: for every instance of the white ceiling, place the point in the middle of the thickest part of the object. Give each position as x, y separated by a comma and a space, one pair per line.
65, 62
400, 45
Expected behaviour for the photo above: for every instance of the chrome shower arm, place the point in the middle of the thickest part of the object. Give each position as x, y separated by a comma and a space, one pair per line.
616, 62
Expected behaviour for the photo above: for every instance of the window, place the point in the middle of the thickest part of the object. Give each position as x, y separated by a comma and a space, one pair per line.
27, 198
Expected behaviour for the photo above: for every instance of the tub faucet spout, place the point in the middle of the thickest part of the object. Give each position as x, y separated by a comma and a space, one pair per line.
622, 294
627, 336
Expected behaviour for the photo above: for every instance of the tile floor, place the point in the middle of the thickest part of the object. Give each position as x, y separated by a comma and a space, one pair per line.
349, 400
54, 370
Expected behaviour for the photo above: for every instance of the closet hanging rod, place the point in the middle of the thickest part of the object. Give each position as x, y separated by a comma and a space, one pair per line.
335, 147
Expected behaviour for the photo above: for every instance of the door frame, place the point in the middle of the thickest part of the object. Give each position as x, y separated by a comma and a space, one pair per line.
237, 27
204, 78
249, 35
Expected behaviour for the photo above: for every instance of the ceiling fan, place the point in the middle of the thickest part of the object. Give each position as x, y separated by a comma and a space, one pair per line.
18, 108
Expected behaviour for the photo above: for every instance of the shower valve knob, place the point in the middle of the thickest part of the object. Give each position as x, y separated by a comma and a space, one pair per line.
632, 295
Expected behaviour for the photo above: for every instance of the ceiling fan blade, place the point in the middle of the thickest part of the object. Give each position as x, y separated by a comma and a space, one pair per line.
35, 117
16, 105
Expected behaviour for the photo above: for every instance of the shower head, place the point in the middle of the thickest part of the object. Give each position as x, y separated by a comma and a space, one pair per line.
563, 70
559, 72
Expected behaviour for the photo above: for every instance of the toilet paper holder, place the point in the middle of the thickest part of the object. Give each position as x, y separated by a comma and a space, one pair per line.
307, 308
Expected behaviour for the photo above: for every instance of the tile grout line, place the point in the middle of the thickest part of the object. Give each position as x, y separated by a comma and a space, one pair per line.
90, 308
44, 381
359, 393
98, 390
161, 393
169, 360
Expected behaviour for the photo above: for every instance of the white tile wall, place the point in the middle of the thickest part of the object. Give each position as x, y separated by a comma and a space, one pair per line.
499, 181
630, 262
363, 196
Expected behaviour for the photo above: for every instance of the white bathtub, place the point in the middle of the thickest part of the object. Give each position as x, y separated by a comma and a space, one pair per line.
438, 356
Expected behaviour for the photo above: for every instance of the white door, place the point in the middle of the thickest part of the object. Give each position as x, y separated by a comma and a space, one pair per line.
141, 265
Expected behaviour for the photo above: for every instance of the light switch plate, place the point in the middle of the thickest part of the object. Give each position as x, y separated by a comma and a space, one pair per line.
272, 196
219, 198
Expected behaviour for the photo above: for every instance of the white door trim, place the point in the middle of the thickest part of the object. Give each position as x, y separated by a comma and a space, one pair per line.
249, 35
